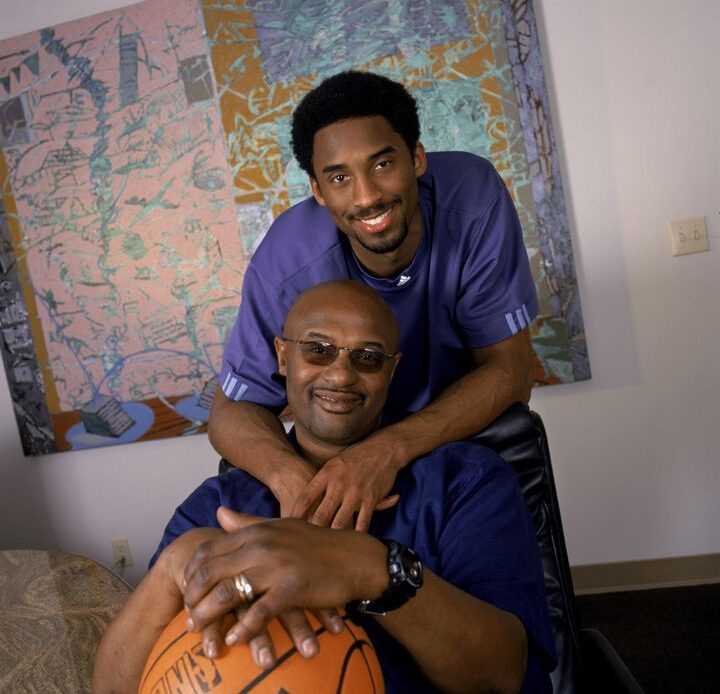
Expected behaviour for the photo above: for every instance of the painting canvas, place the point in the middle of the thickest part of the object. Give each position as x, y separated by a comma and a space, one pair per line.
475, 69
145, 152
123, 259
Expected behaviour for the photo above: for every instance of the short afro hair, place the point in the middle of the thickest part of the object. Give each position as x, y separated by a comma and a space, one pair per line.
352, 94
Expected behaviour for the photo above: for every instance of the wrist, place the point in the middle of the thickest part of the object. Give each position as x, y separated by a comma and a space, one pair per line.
288, 471
417, 434
373, 579
169, 568
392, 439
174, 558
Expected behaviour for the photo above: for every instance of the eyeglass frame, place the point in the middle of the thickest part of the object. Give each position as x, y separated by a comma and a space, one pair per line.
352, 350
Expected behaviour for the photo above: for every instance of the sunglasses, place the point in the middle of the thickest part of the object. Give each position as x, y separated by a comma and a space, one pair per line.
325, 353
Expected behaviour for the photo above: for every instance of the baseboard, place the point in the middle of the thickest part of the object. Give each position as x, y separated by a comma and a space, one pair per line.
644, 574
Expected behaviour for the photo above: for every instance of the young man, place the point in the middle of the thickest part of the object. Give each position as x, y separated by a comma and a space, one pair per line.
438, 238
466, 612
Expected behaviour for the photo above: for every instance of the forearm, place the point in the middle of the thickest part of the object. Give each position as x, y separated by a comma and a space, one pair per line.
130, 637
252, 438
503, 376
461, 644
128, 640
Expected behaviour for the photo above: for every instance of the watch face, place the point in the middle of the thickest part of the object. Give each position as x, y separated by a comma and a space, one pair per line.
405, 568
412, 568
406, 576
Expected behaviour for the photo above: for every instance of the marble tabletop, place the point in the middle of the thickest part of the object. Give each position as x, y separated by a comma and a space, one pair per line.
54, 608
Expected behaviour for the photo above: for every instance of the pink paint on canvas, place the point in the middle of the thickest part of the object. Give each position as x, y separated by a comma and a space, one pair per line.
125, 203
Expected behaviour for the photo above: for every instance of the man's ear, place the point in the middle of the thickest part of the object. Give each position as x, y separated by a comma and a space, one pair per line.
281, 353
419, 160
316, 191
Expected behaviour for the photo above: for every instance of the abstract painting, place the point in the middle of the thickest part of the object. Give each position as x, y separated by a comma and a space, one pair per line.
122, 257
475, 69
145, 151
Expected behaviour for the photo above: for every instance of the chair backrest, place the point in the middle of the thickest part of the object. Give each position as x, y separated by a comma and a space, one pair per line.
518, 436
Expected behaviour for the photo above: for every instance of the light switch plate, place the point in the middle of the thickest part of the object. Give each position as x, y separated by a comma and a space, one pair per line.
688, 236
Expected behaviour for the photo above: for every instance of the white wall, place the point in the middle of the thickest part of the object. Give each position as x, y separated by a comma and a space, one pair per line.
636, 107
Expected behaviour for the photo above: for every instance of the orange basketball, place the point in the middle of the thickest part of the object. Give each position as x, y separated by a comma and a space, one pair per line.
346, 663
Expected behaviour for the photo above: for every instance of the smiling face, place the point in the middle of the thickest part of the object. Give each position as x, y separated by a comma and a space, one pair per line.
367, 178
337, 404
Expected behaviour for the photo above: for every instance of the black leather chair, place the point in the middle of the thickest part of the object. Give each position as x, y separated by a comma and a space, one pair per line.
586, 660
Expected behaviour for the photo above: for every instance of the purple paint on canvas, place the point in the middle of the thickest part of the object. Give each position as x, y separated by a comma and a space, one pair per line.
541, 149
304, 38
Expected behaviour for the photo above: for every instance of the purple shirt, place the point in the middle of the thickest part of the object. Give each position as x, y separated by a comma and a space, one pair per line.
468, 286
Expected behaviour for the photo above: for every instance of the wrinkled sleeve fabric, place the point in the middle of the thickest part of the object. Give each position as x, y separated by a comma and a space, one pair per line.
234, 489
249, 367
197, 511
497, 297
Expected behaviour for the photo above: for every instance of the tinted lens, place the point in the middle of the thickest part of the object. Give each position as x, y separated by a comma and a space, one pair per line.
325, 353
367, 360
320, 353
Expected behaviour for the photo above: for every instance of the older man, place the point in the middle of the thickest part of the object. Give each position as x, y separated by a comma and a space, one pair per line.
447, 582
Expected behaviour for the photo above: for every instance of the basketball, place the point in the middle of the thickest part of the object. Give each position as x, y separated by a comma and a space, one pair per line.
345, 664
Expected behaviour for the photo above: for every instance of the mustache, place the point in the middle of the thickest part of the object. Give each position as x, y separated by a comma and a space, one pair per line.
365, 212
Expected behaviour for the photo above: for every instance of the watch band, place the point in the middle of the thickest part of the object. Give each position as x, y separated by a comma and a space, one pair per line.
406, 577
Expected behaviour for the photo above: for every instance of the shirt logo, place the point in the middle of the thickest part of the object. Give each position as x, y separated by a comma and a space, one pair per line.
403, 280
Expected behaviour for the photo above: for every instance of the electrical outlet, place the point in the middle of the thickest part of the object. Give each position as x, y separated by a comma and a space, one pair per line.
121, 552
688, 236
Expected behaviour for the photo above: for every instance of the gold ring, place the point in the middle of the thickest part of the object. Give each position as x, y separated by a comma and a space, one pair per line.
243, 587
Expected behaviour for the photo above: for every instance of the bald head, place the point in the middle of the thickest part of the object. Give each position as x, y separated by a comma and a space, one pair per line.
343, 297
338, 353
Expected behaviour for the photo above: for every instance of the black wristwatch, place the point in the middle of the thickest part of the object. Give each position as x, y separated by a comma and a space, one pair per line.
406, 577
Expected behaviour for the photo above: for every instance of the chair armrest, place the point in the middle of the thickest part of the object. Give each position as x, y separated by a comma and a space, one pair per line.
603, 669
